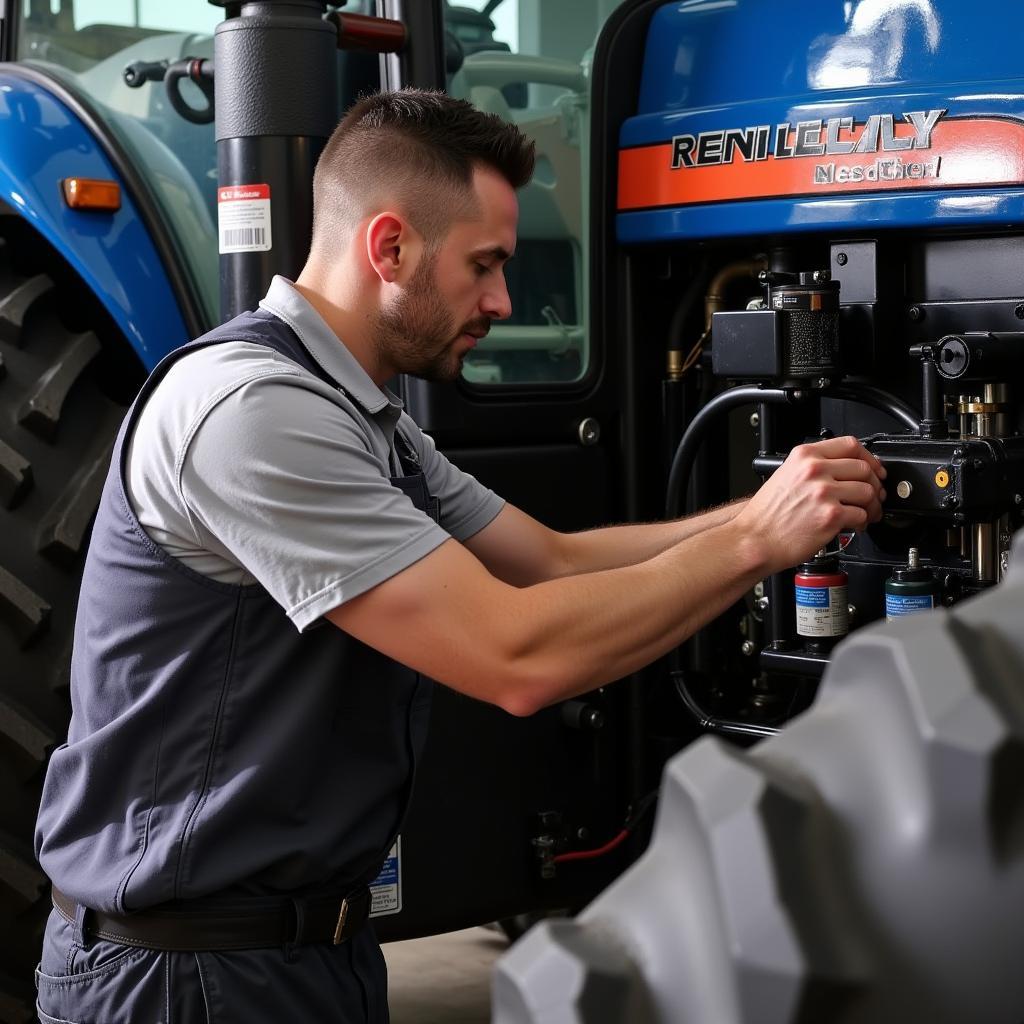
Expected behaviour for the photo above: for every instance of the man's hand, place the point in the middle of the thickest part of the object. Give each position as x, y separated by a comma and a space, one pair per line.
820, 490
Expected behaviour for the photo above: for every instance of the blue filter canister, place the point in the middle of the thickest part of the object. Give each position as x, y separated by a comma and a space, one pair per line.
910, 590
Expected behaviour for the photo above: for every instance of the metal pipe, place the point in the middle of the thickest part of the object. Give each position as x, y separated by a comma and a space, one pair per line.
676, 353
365, 32
983, 552
715, 297
693, 438
965, 417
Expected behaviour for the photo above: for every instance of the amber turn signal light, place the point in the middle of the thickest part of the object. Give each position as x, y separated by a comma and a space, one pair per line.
91, 194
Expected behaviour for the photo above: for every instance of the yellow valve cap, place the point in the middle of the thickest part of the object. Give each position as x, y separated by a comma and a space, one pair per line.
941, 478
91, 194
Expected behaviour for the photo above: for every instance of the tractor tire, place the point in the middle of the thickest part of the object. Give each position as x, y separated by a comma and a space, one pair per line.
865, 866
66, 376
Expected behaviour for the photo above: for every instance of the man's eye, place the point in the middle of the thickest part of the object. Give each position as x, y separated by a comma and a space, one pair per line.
480, 269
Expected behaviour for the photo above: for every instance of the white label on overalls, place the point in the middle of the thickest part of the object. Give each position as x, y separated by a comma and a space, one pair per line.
386, 888
243, 218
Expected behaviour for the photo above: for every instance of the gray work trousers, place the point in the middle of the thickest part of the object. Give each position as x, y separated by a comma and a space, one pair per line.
107, 983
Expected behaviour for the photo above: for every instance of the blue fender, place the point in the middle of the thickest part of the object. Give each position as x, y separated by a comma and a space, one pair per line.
42, 142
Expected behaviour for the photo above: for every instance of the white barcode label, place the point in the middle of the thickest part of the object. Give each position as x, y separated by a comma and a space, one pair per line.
243, 218
245, 237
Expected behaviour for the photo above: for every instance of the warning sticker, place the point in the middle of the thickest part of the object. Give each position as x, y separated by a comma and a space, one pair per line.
386, 888
243, 218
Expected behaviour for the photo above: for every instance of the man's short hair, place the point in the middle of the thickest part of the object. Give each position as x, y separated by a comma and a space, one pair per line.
414, 149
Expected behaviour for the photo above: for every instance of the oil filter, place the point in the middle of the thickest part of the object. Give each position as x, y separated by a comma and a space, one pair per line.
910, 590
822, 609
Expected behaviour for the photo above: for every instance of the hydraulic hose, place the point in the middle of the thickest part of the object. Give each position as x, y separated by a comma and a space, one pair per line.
709, 722
876, 398
679, 475
864, 394
682, 463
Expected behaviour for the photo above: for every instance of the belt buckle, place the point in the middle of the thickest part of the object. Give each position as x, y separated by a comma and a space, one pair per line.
342, 918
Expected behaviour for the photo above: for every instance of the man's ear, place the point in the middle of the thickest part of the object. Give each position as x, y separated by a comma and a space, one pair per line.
390, 246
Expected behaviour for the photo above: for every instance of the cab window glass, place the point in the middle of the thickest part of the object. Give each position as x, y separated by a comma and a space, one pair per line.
80, 34
528, 61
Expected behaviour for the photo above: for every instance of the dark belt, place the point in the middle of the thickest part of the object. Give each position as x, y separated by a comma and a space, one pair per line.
201, 925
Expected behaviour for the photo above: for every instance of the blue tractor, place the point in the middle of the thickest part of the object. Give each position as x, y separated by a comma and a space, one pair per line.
750, 225
115, 248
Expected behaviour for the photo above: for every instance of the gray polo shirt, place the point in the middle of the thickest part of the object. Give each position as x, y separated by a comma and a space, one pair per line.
248, 468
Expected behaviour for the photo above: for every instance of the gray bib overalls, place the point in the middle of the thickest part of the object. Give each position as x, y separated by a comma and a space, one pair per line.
213, 749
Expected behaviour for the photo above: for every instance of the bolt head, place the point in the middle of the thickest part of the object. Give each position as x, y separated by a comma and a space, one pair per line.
747, 647
915, 313
904, 489
842, 259
755, 419
589, 431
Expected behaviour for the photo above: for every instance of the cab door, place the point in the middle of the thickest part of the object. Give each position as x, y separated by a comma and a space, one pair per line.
536, 415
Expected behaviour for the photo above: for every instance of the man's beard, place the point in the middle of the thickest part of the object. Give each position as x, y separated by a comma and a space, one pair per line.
417, 335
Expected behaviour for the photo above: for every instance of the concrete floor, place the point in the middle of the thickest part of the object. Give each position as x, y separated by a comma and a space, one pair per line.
443, 979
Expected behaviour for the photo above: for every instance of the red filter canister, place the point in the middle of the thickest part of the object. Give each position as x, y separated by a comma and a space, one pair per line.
822, 607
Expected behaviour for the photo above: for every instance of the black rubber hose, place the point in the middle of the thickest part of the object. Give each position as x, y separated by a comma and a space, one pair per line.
712, 724
682, 463
198, 71
868, 394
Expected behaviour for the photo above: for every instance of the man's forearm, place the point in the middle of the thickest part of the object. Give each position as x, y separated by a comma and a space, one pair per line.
634, 614
612, 547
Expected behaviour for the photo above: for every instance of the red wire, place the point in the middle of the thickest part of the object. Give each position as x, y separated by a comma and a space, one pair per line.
590, 854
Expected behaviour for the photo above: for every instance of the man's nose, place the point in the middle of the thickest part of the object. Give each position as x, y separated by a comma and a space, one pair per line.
496, 302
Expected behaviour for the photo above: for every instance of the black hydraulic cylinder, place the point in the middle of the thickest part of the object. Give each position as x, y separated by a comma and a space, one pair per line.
933, 420
276, 96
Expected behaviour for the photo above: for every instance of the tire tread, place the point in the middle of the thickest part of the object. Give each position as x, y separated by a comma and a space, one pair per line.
15, 305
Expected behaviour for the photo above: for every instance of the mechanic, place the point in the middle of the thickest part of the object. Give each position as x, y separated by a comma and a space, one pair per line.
281, 562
